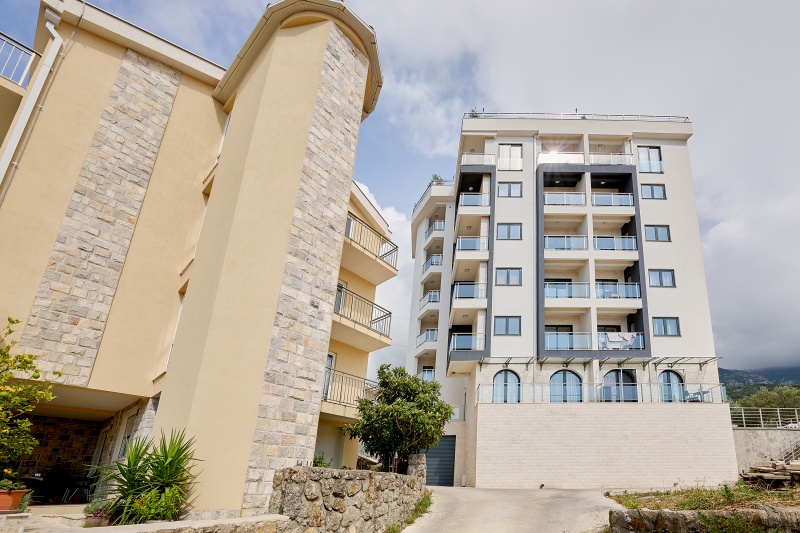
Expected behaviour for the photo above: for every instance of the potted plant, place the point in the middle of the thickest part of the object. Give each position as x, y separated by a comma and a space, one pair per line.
11, 492
96, 512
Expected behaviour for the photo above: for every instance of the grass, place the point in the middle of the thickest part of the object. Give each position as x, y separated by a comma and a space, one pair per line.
420, 509
739, 496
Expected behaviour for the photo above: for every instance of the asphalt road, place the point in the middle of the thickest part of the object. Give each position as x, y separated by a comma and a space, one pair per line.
468, 510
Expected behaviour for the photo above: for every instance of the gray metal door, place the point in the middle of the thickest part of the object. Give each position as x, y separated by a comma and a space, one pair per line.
441, 460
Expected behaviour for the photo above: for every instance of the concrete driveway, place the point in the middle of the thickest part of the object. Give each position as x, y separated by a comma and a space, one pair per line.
467, 510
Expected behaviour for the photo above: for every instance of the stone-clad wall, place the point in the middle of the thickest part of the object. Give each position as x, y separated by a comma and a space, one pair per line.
66, 323
354, 501
65, 445
288, 412
769, 518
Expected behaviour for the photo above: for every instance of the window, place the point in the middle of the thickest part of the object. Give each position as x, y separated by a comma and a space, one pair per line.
508, 276
509, 157
565, 387
656, 233
224, 133
650, 159
509, 232
505, 387
330, 364
506, 325
510, 189
126, 431
670, 386
666, 327
654, 192
427, 373
662, 278
620, 386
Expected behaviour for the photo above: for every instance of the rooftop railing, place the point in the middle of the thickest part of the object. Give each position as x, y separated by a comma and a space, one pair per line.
765, 417
477, 159
363, 312
607, 393
429, 335
438, 225
15, 60
346, 389
434, 260
441, 183
564, 198
372, 241
578, 116
624, 243
612, 199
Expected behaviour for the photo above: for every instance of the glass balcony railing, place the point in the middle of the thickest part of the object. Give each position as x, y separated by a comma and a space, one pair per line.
573, 158
477, 159
15, 60
564, 198
469, 290
651, 166
434, 260
612, 199
438, 225
615, 243
473, 199
427, 374
597, 158
620, 341
566, 242
566, 290
567, 341
468, 341
618, 290
472, 244
430, 297
429, 335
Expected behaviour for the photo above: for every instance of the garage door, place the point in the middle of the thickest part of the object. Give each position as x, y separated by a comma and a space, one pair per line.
441, 460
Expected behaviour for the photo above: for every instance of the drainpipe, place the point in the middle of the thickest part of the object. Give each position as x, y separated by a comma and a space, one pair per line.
38, 94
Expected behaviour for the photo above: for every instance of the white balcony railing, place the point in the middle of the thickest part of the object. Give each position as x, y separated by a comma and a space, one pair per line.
564, 198
617, 290
571, 158
438, 225
566, 290
468, 341
567, 341
477, 159
765, 417
15, 60
469, 290
620, 341
624, 243
429, 335
434, 260
472, 244
430, 297
627, 392
612, 199
473, 199
566, 242
597, 158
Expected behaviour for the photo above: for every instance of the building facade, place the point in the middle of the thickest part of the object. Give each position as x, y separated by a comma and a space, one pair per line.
185, 244
560, 298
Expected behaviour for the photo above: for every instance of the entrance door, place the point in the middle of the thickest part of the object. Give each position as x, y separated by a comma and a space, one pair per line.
441, 461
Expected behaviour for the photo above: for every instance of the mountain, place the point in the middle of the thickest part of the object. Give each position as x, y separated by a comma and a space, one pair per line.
766, 376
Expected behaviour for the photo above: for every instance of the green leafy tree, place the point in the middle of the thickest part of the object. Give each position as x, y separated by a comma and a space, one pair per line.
406, 417
782, 396
19, 393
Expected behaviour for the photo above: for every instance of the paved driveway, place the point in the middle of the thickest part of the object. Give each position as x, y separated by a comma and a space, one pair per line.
466, 510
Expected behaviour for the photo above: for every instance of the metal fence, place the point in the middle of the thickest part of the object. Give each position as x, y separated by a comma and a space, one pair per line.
765, 417
361, 311
371, 240
346, 389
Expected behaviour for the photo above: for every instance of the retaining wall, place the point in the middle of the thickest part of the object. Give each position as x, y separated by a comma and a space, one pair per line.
771, 519
754, 444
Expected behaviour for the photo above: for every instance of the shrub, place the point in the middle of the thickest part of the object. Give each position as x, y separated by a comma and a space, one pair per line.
320, 462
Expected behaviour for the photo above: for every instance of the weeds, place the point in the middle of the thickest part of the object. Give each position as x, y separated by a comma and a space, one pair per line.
738, 496
420, 509
732, 524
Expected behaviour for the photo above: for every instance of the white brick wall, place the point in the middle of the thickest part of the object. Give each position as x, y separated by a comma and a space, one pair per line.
604, 445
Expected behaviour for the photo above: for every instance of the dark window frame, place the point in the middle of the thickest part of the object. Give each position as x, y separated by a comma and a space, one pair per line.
664, 319
656, 227
507, 284
660, 160
509, 224
507, 320
652, 186
660, 272
509, 184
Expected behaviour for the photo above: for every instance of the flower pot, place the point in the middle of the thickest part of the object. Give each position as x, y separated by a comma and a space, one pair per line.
9, 499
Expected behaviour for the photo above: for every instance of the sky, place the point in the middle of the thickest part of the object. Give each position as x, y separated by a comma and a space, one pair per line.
730, 65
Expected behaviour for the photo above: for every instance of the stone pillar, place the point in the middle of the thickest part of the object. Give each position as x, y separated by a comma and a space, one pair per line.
417, 466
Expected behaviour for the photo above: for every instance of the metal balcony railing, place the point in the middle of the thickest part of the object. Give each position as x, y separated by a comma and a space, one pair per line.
564, 198
599, 158
618, 290
472, 244
439, 183
429, 297
434, 260
473, 199
765, 417
363, 312
586, 393
612, 199
572, 158
469, 290
477, 159
468, 341
578, 116
429, 335
566, 242
624, 243
566, 290
378, 245
567, 341
345, 389
438, 225
620, 341
15, 60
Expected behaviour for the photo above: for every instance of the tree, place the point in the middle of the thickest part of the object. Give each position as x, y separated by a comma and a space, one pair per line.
406, 417
19, 394
782, 396
436, 179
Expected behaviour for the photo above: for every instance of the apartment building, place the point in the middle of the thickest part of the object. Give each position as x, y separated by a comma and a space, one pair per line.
185, 245
560, 298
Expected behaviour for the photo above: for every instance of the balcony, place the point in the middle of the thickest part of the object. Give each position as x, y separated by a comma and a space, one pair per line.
598, 158
477, 159
612, 199
346, 389
564, 198
15, 60
566, 242
438, 225
618, 290
429, 297
473, 199
566, 290
368, 253
429, 335
627, 392
436, 188
620, 341
359, 322
564, 158
472, 244
624, 243
433, 261
468, 341
567, 341
469, 291
427, 374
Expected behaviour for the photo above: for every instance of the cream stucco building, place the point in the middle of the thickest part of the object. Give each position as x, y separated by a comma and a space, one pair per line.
185, 245
560, 298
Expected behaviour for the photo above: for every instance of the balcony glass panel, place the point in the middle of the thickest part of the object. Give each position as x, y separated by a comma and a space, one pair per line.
564, 198
618, 290
469, 290
438, 225
565, 242
615, 243
430, 297
477, 159
468, 341
474, 199
610, 159
620, 341
472, 243
429, 335
573, 158
612, 199
434, 260
566, 290
567, 341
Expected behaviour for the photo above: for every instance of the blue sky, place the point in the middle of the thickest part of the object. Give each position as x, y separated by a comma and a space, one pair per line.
730, 65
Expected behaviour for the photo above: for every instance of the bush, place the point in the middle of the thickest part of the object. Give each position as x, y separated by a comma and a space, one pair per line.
320, 462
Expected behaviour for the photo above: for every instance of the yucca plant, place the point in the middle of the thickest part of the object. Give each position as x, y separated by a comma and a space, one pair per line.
125, 482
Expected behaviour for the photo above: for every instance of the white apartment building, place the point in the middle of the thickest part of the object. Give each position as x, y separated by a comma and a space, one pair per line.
560, 298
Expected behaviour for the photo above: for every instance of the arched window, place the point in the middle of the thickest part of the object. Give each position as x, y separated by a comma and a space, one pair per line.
506, 387
565, 386
620, 386
670, 387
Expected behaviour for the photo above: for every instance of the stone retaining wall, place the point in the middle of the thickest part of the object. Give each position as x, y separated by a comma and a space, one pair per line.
771, 519
352, 501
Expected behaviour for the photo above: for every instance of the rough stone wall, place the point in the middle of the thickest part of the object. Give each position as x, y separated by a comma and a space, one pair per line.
143, 426
65, 444
758, 444
352, 501
66, 323
288, 411
666, 521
